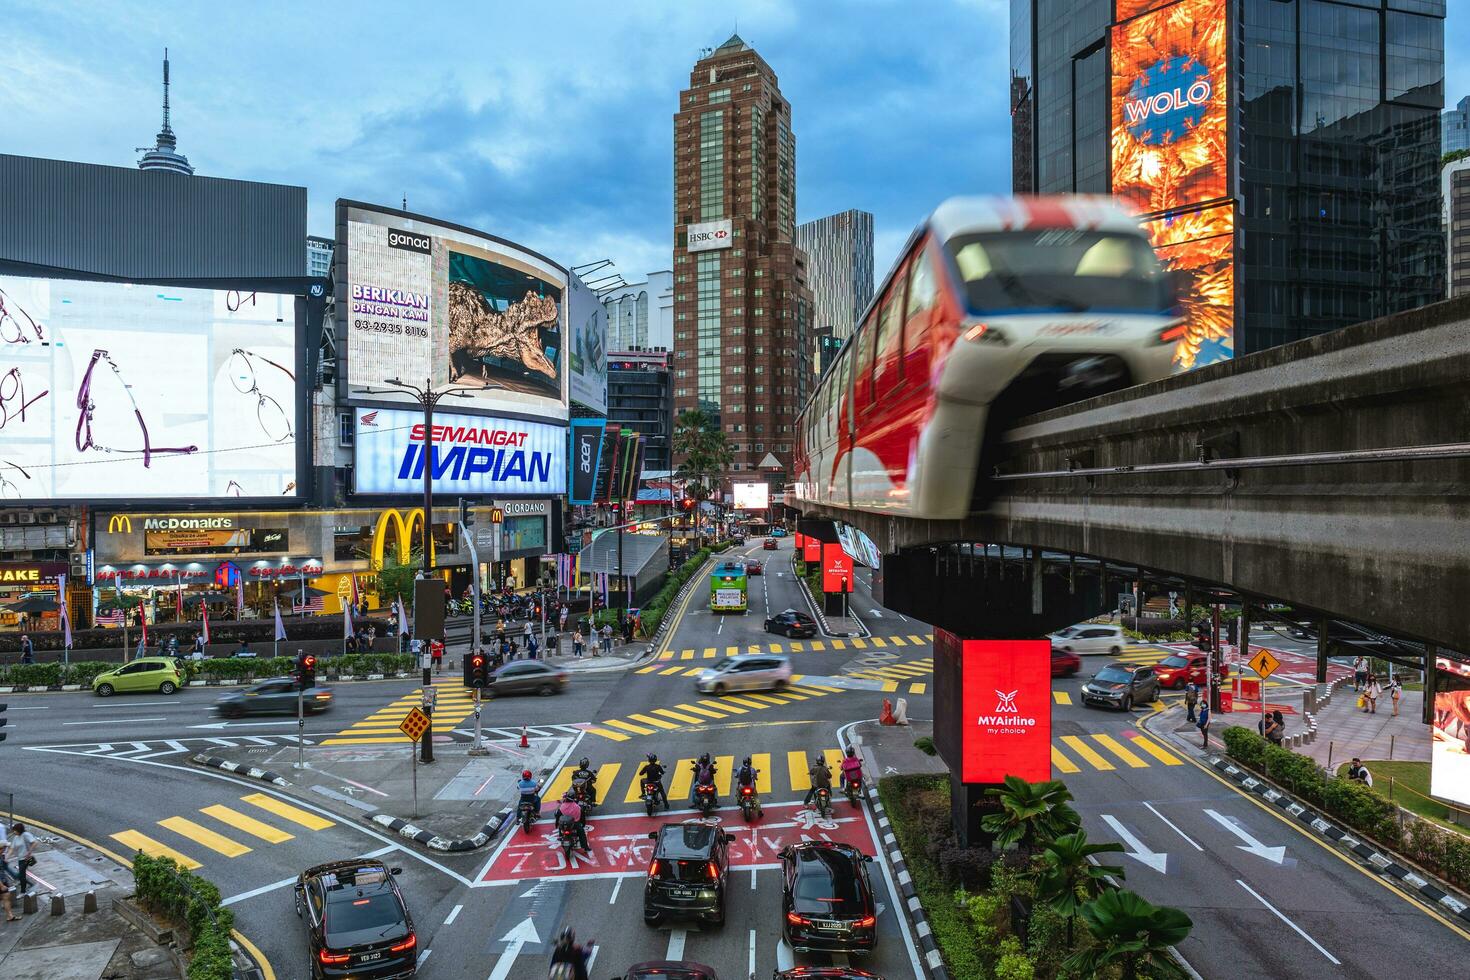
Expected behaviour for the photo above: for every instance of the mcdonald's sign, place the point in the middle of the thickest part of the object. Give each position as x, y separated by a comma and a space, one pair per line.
404, 525
119, 524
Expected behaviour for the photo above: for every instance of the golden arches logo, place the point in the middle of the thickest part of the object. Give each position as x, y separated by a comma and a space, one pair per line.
120, 524
404, 525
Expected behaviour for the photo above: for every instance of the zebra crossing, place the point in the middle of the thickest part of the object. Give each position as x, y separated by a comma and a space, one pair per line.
453, 703
788, 647
221, 830
700, 711
159, 748
617, 782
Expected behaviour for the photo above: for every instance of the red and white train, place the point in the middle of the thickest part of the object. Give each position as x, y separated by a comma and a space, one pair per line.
997, 307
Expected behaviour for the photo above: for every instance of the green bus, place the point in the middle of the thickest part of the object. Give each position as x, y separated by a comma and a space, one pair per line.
727, 587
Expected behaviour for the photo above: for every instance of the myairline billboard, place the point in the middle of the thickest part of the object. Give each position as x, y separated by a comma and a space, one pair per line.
472, 454
836, 568
992, 708
710, 235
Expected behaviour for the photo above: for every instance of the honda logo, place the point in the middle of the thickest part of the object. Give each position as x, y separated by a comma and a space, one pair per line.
120, 524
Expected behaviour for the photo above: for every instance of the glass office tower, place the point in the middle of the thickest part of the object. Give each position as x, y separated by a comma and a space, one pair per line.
1284, 154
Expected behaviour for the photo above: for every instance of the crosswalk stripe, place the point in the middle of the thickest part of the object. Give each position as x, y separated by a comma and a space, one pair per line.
250, 825
732, 651
670, 670
607, 774
1147, 744
877, 641
917, 639
890, 686
820, 687
834, 762
655, 722
788, 692
681, 778
696, 709
839, 645
1061, 697
200, 834
666, 655
635, 729
686, 655
724, 769
818, 646
135, 841
918, 688
796, 770
796, 646
753, 648
1062, 762
769, 699
722, 706
635, 789
1086, 751
607, 734
694, 671
898, 641
292, 813
686, 719
709, 653
859, 642
558, 785
775, 648
1113, 746
742, 701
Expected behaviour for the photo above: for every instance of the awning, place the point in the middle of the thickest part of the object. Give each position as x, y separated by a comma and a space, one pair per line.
639, 550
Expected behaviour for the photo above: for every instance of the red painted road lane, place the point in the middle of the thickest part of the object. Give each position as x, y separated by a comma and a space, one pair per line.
1298, 667
620, 844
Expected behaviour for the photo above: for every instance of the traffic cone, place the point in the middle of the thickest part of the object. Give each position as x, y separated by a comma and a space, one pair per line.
525, 742
885, 717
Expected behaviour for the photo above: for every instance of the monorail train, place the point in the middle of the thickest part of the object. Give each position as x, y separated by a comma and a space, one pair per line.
996, 308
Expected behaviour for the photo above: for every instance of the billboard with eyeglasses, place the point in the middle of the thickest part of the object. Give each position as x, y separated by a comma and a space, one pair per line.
128, 391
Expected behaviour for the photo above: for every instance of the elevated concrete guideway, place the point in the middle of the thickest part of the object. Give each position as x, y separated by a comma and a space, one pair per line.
1332, 474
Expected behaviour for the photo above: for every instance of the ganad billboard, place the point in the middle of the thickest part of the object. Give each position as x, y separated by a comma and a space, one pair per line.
123, 390
587, 352
473, 455
1449, 759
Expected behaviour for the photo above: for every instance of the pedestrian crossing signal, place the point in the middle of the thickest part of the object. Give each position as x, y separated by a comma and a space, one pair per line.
306, 670
476, 671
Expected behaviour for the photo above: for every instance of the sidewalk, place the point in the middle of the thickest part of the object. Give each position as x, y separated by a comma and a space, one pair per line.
1346, 731
888, 750
79, 945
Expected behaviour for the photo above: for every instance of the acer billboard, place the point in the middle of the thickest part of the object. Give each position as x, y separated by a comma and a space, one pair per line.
992, 707
836, 568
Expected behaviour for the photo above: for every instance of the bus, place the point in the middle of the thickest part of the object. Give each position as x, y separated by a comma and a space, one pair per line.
727, 587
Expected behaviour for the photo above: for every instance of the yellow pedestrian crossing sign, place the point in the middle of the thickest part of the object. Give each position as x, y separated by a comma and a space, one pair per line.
414, 725
1264, 664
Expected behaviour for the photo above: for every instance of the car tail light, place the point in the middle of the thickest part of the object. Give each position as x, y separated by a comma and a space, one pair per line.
713, 871
656, 869
1170, 334
797, 920
329, 958
324, 697
866, 922
406, 945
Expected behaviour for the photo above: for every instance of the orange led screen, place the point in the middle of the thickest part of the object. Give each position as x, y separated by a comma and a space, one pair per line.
1169, 106
1132, 8
1200, 245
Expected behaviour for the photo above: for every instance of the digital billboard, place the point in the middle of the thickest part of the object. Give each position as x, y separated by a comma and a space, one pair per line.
586, 459
836, 568
123, 390
1200, 246
992, 707
1132, 8
1169, 107
474, 455
752, 496
429, 301
1449, 758
587, 350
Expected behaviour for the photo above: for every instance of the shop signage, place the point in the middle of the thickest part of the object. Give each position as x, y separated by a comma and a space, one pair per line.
710, 235
187, 523
281, 571
163, 574
472, 454
519, 508
1003, 708
404, 527
811, 550
119, 524
31, 573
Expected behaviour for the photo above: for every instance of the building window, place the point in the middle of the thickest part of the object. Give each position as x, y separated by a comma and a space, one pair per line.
344, 428
719, 95
712, 165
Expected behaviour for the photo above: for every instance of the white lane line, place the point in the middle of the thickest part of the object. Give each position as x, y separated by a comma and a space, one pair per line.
676, 944
175, 745
751, 967
453, 914
379, 852
1172, 827
40, 707
753, 870
113, 721
258, 891
617, 886
592, 957
1296, 928
423, 956
133, 704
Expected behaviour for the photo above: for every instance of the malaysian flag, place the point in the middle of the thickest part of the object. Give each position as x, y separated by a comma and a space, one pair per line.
313, 604
112, 617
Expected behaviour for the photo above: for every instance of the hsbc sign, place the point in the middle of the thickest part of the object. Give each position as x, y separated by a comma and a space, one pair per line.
710, 235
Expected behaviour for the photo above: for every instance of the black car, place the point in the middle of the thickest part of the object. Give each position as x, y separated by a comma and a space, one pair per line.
1121, 685
826, 899
669, 970
527, 677
273, 697
357, 922
824, 972
687, 874
792, 623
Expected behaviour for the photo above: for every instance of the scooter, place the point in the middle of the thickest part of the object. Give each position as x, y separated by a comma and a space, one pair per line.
853, 789
566, 835
527, 815
652, 791
824, 802
750, 804
704, 798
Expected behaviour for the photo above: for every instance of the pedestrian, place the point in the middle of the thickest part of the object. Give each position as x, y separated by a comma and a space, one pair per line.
1358, 773
27, 650
577, 642
526, 633
1395, 690
553, 644
198, 653
1271, 728
5, 886
1203, 724
531, 648
607, 635
1371, 692
1191, 700
1360, 672
627, 629
562, 617
436, 655
20, 853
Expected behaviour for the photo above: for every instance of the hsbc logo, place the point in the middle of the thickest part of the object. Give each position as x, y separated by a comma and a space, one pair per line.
410, 241
708, 236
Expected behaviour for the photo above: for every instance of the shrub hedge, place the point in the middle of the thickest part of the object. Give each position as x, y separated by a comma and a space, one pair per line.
214, 668
655, 609
187, 900
220, 631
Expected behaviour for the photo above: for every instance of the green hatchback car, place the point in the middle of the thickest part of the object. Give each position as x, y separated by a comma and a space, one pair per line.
161, 674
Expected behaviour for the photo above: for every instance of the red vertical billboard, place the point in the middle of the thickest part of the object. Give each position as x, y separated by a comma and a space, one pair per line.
812, 549
992, 707
836, 568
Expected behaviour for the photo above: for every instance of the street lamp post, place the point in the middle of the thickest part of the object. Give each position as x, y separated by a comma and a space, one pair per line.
428, 396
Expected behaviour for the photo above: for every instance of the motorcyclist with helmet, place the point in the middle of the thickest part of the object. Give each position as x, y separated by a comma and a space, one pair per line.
530, 790
567, 953
746, 776
570, 813
585, 780
821, 777
852, 769
653, 772
704, 776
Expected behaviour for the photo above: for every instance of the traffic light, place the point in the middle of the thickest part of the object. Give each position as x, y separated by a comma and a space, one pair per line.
306, 670
466, 513
2, 721
476, 671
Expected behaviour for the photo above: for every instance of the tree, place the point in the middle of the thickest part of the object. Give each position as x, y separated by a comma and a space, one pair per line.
1031, 814
396, 578
1070, 879
706, 454
1132, 934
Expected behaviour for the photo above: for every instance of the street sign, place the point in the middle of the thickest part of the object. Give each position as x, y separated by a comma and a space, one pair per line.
414, 724
1264, 664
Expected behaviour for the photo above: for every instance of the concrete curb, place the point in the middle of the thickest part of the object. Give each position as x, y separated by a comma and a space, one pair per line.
264, 775
821, 617
433, 841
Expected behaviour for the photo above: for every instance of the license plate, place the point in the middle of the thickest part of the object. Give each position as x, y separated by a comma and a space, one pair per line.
369, 957
830, 926
683, 893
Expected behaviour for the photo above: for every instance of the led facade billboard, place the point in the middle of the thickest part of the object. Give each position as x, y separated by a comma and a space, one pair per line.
992, 707
428, 301
1200, 245
836, 568
123, 390
474, 455
587, 350
752, 496
1449, 758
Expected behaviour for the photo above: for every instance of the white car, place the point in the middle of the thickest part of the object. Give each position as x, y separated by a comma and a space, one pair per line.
1090, 638
745, 672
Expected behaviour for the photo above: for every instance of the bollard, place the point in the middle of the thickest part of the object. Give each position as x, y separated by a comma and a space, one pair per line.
89, 902
1390, 748
58, 904
901, 712
29, 904
1329, 755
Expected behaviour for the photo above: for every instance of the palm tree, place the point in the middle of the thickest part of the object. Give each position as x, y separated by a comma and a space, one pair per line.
1070, 879
1130, 932
705, 450
1031, 814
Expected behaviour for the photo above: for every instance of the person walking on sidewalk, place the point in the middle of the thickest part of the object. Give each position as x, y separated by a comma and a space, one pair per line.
20, 853
1203, 724
562, 617
27, 650
1371, 692
5, 887
1360, 672
1191, 700
577, 642
1395, 691
607, 635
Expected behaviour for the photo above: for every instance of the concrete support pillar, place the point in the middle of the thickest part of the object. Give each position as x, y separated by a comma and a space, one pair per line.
1244, 652
968, 804
1037, 604
1188, 606
1431, 681
1322, 648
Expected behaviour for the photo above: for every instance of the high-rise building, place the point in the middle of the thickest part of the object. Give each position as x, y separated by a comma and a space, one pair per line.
839, 268
1455, 125
164, 154
319, 255
1456, 193
741, 302
828, 347
639, 397
1284, 154
640, 315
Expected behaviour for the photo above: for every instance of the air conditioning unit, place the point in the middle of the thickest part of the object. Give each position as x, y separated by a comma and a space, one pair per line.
27, 517
7, 517
46, 516
78, 571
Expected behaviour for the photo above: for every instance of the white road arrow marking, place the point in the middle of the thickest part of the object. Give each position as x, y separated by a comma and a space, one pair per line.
517, 938
244, 724
1251, 846
1140, 852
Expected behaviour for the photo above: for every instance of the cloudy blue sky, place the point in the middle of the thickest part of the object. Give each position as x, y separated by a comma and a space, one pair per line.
547, 123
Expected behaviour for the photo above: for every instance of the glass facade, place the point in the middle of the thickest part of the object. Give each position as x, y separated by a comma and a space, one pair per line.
710, 335
1455, 125
712, 165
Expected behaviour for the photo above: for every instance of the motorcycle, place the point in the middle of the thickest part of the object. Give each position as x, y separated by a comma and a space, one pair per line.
704, 798
527, 815
824, 802
566, 835
584, 797
853, 790
750, 804
651, 793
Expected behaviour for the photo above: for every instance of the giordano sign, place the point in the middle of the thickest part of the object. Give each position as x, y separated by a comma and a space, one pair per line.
405, 526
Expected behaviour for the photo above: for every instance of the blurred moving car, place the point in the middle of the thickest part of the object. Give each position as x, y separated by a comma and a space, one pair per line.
825, 972
357, 921
1121, 685
753, 567
826, 900
745, 672
770, 544
1064, 663
1186, 668
526, 677
272, 697
669, 970
778, 532
686, 876
792, 623
1090, 638
161, 674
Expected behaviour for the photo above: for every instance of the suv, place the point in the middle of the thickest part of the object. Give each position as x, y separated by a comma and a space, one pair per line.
1090, 638
745, 672
357, 922
687, 874
1120, 685
792, 623
161, 674
826, 900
